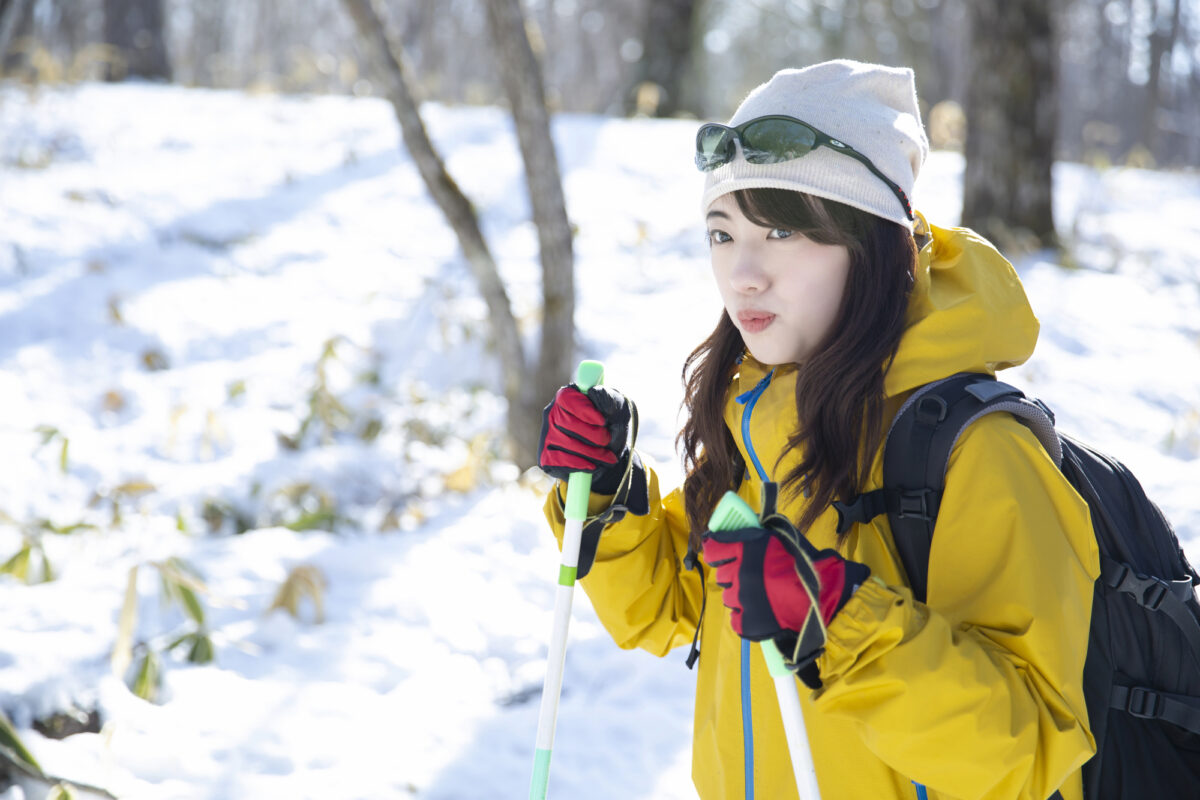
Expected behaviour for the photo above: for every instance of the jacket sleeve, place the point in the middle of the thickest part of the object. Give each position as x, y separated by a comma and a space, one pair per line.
979, 693
637, 583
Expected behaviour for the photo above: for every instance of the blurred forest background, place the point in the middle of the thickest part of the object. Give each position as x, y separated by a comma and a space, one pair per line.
1128, 70
1013, 84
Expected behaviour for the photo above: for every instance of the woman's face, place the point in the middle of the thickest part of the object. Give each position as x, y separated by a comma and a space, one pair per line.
781, 289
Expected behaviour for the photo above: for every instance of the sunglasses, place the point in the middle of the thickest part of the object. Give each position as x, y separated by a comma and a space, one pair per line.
772, 140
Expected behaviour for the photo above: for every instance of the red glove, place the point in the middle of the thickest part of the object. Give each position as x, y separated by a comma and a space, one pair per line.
778, 586
586, 433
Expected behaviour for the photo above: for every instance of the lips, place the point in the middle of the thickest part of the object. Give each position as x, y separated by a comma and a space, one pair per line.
754, 321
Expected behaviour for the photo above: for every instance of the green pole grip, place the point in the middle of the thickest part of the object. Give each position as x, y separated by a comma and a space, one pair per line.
579, 490
730, 514
579, 484
774, 659
589, 374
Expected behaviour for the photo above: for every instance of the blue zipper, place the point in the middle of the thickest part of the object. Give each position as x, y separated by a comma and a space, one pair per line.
747, 721
749, 399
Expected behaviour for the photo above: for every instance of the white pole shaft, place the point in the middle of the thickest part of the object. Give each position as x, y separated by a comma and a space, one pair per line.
556, 656
579, 487
730, 514
797, 737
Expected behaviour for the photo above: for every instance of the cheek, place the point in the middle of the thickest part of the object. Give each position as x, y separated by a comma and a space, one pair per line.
835, 289
824, 296
720, 274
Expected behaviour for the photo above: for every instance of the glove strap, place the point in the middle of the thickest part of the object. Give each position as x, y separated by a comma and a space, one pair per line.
807, 645
632, 497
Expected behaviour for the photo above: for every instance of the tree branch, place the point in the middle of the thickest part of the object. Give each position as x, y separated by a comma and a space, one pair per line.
388, 63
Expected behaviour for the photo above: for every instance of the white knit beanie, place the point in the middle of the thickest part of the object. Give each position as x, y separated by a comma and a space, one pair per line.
869, 107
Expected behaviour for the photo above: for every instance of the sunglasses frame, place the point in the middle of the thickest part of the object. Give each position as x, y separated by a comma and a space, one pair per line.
821, 139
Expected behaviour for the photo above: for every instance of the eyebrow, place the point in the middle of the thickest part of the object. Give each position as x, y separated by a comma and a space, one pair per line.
722, 214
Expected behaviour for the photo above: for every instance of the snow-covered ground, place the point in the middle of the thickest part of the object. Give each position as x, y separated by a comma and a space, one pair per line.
187, 277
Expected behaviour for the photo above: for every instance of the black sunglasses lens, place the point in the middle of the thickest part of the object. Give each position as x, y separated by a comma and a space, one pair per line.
714, 146
770, 141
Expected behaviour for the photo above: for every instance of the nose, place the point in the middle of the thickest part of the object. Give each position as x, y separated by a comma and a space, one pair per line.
747, 275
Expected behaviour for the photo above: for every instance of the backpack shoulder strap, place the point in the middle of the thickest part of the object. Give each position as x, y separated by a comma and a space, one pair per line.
917, 452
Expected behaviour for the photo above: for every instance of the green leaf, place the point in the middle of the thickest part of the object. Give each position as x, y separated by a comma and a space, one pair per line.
133, 488
62, 456
47, 432
178, 641
329, 352
47, 570
191, 604
202, 648
64, 530
167, 593
186, 571
122, 654
149, 677
371, 430
18, 565
62, 791
12, 745
321, 519
180, 583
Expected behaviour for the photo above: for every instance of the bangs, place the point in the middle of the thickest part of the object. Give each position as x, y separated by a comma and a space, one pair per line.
823, 221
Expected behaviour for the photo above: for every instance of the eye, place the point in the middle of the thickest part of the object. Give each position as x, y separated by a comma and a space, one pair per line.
717, 236
780, 233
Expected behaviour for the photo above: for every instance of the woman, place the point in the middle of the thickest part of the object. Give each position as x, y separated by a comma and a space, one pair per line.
839, 301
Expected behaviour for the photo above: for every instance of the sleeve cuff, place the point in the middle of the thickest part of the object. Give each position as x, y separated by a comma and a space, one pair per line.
597, 503
874, 616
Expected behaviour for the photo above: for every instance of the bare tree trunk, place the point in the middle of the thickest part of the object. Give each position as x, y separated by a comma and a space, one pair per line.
389, 67
1012, 119
1168, 149
1162, 42
137, 28
522, 77
666, 50
12, 14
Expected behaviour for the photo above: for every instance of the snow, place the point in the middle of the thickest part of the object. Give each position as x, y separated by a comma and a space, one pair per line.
230, 240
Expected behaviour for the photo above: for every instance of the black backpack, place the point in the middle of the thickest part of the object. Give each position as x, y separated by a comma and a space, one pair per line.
1142, 671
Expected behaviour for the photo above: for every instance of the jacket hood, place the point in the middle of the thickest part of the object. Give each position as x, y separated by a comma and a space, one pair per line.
968, 313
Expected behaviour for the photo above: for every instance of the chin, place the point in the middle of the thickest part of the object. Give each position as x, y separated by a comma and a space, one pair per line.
771, 357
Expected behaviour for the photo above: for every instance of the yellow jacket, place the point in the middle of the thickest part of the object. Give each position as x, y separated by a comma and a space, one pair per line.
976, 694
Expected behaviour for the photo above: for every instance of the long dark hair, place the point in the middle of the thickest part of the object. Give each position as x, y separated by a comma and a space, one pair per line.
839, 389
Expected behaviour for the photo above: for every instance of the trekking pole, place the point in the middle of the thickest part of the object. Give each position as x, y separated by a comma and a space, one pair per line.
579, 488
730, 514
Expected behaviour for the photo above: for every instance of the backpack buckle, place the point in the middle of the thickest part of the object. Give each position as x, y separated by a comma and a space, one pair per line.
1148, 592
1144, 703
1154, 594
918, 504
931, 410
